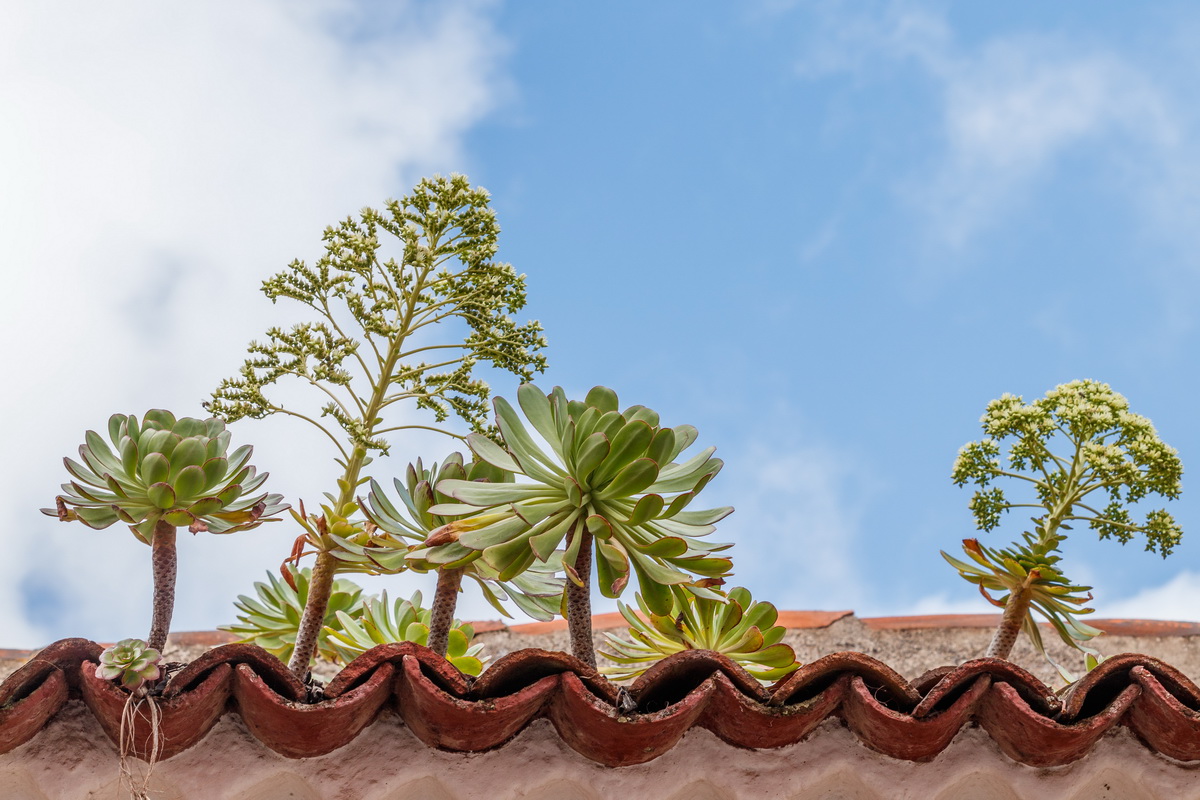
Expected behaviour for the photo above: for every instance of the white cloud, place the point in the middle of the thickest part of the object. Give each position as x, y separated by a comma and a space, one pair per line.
797, 524
1177, 599
1008, 111
1014, 108
159, 161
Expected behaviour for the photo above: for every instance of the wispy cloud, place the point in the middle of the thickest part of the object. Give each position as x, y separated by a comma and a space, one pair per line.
1006, 111
1177, 599
158, 163
798, 522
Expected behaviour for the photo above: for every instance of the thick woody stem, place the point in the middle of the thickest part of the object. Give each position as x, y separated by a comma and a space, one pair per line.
319, 588
164, 562
579, 601
1015, 611
441, 616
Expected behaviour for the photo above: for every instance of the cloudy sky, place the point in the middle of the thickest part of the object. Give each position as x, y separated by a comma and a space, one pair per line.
826, 234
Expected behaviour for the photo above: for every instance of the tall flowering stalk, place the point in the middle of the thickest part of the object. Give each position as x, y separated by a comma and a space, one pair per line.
378, 342
1072, 450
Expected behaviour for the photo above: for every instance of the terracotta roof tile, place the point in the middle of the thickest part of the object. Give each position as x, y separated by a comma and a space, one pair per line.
615, 726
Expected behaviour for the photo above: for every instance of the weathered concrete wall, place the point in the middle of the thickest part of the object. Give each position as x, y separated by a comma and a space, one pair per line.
73, 760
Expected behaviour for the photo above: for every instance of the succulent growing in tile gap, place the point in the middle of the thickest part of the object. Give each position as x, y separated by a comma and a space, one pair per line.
734, 626
536, 591
609, 483
1078, 443
401, 621
273, 620
131, 663
161, 474
375, 345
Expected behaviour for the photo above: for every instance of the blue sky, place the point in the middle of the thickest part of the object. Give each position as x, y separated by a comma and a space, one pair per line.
826, 234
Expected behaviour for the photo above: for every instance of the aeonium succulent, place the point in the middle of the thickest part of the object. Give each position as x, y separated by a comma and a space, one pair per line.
1082, 456
160, 474
537, 591
734, 625
609, 484
401, 621
272, 621
131, 663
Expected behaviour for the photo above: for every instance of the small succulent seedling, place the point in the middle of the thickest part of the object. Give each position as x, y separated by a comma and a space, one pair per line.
131, 663
401, 621
376, 345
536, 591
609, 484
161, 474
1081, 456
272, 621
734, 626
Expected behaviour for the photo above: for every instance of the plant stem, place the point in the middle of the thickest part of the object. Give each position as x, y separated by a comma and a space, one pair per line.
164, 562
1015, 611
320, 585
441, 616
579, 600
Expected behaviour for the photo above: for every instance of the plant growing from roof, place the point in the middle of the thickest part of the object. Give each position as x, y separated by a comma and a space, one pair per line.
1072, 449
161, 474
373, 347
402, 621
734, 626
273, 620
610, 484
536, 591
131, 663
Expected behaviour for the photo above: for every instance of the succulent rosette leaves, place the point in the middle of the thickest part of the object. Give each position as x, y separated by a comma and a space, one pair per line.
610, 472
165, 469
272, 620
1030, 568
131, 663
734, 625
401, 621
536, 591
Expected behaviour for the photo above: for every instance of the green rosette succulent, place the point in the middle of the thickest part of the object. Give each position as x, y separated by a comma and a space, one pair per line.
401, 621
178, 471
1030, 569
610, 482
611, 473
160, 474
537, 591
272, 621
131, 663
734, 626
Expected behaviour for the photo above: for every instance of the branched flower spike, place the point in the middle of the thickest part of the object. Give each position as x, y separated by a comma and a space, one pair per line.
402, 621
610, 480
377, 341
273, 620
739, 628
161, 474
1082, 457
537, 592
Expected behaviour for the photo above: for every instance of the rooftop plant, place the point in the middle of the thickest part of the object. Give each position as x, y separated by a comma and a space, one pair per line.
536, 591
1079, 455
273, 619
401, 621
376, 344
733, 625
609, 485
161, 474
